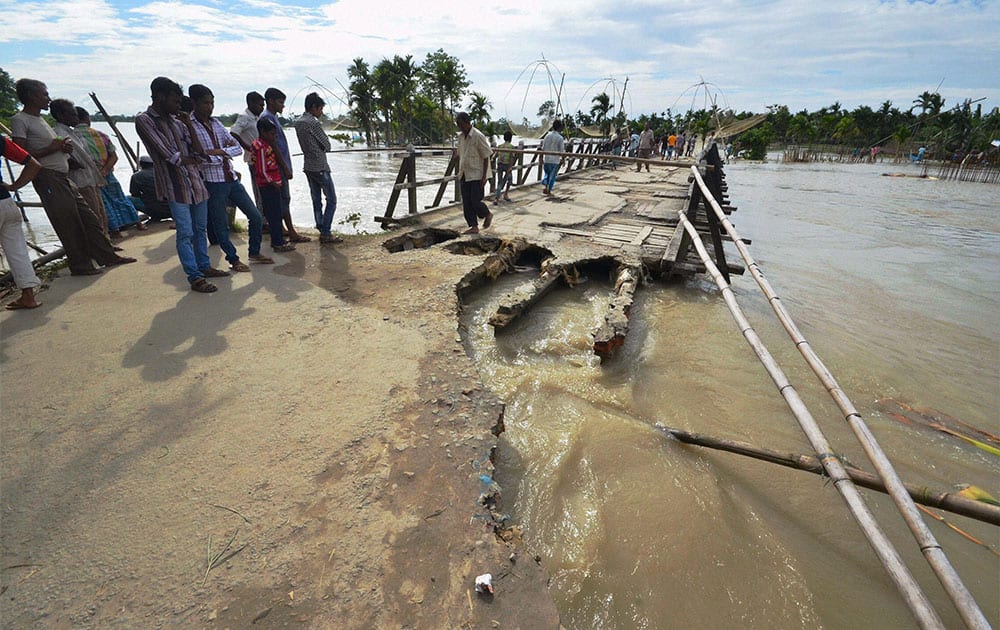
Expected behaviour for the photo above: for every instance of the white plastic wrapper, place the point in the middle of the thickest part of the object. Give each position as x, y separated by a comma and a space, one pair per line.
484, 583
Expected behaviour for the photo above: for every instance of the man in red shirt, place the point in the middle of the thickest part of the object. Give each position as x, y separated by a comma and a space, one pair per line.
11, 233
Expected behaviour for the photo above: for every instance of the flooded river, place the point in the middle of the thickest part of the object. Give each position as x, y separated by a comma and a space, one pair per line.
895, 284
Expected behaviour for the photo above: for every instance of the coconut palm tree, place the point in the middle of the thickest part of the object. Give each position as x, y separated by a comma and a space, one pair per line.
600, 109
362, 98
479, 108
929, 103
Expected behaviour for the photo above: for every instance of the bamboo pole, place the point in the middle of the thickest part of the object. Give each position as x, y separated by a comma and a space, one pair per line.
963, 600
132, 158
901, 576
954, 503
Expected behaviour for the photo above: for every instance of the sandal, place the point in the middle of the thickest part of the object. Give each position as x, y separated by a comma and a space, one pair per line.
212, 272
17, 305
300, 238
202, 285
331, 239
261, 259
287, 247
239, 266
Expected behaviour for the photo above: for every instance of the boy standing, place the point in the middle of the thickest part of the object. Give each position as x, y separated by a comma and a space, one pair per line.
269, 178
505, 160
274, 100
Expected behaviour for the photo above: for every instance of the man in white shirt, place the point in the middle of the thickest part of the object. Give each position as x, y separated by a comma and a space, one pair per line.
474, 153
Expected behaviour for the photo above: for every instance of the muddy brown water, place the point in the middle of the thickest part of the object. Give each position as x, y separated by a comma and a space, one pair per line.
893, 281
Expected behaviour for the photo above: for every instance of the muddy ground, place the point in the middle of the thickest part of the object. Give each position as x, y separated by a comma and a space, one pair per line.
306, 447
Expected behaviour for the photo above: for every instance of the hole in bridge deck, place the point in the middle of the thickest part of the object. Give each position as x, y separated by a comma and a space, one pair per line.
419, 239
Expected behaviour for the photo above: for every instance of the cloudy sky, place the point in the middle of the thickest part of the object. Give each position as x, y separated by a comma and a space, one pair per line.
746, 54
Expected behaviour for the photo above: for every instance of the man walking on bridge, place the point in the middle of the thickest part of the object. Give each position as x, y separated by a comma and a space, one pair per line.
473, 170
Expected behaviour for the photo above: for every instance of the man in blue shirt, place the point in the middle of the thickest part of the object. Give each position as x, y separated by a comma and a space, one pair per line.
274, 100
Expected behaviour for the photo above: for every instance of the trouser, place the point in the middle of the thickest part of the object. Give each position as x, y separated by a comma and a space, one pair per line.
226, 193
472, 202
76, 225
92, 195
503, 179
272, 199
320, 185
549, 174
192, 246
14, 247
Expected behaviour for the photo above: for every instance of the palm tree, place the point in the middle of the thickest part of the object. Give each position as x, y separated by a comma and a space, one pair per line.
395, 81
929, 103
901, 135
362, 99
479, 108
602, 105
846, 129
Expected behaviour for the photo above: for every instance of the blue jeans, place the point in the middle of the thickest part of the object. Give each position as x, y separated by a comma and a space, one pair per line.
320, 184
549, 176
192, 244
219, 194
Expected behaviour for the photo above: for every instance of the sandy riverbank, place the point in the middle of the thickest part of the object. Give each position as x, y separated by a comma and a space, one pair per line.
318, 416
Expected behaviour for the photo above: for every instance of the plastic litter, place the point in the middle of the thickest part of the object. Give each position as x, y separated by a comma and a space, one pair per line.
484, 583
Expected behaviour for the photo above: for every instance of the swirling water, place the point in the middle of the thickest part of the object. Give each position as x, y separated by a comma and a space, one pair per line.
893, 281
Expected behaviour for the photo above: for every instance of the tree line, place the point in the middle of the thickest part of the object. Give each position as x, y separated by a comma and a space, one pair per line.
398, 101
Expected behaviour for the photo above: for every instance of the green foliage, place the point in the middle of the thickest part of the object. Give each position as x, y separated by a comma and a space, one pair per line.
756, 140
8, 97
398, 101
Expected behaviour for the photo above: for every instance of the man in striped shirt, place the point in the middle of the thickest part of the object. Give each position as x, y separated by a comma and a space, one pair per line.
314, 144
169, 137
220, 179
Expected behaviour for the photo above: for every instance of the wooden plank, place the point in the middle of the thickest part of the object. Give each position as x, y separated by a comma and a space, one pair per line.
642, 235
565, 230
611, 334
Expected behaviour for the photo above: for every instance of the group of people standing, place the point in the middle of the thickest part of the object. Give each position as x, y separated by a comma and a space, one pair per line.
189, 165
192, 157
70, 183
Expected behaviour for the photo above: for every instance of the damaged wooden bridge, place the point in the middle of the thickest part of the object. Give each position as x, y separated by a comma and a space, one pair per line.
603, 218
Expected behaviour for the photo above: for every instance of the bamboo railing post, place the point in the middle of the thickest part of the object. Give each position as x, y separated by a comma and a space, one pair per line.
390, 207
946, 574
452, 165
901, 576
411, 178
715, 188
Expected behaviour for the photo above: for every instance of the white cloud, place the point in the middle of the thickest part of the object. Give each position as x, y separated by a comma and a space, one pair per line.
803, 54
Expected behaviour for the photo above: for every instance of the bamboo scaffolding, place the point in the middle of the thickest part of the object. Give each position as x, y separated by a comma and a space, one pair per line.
954, 503
966, 605
901, 576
